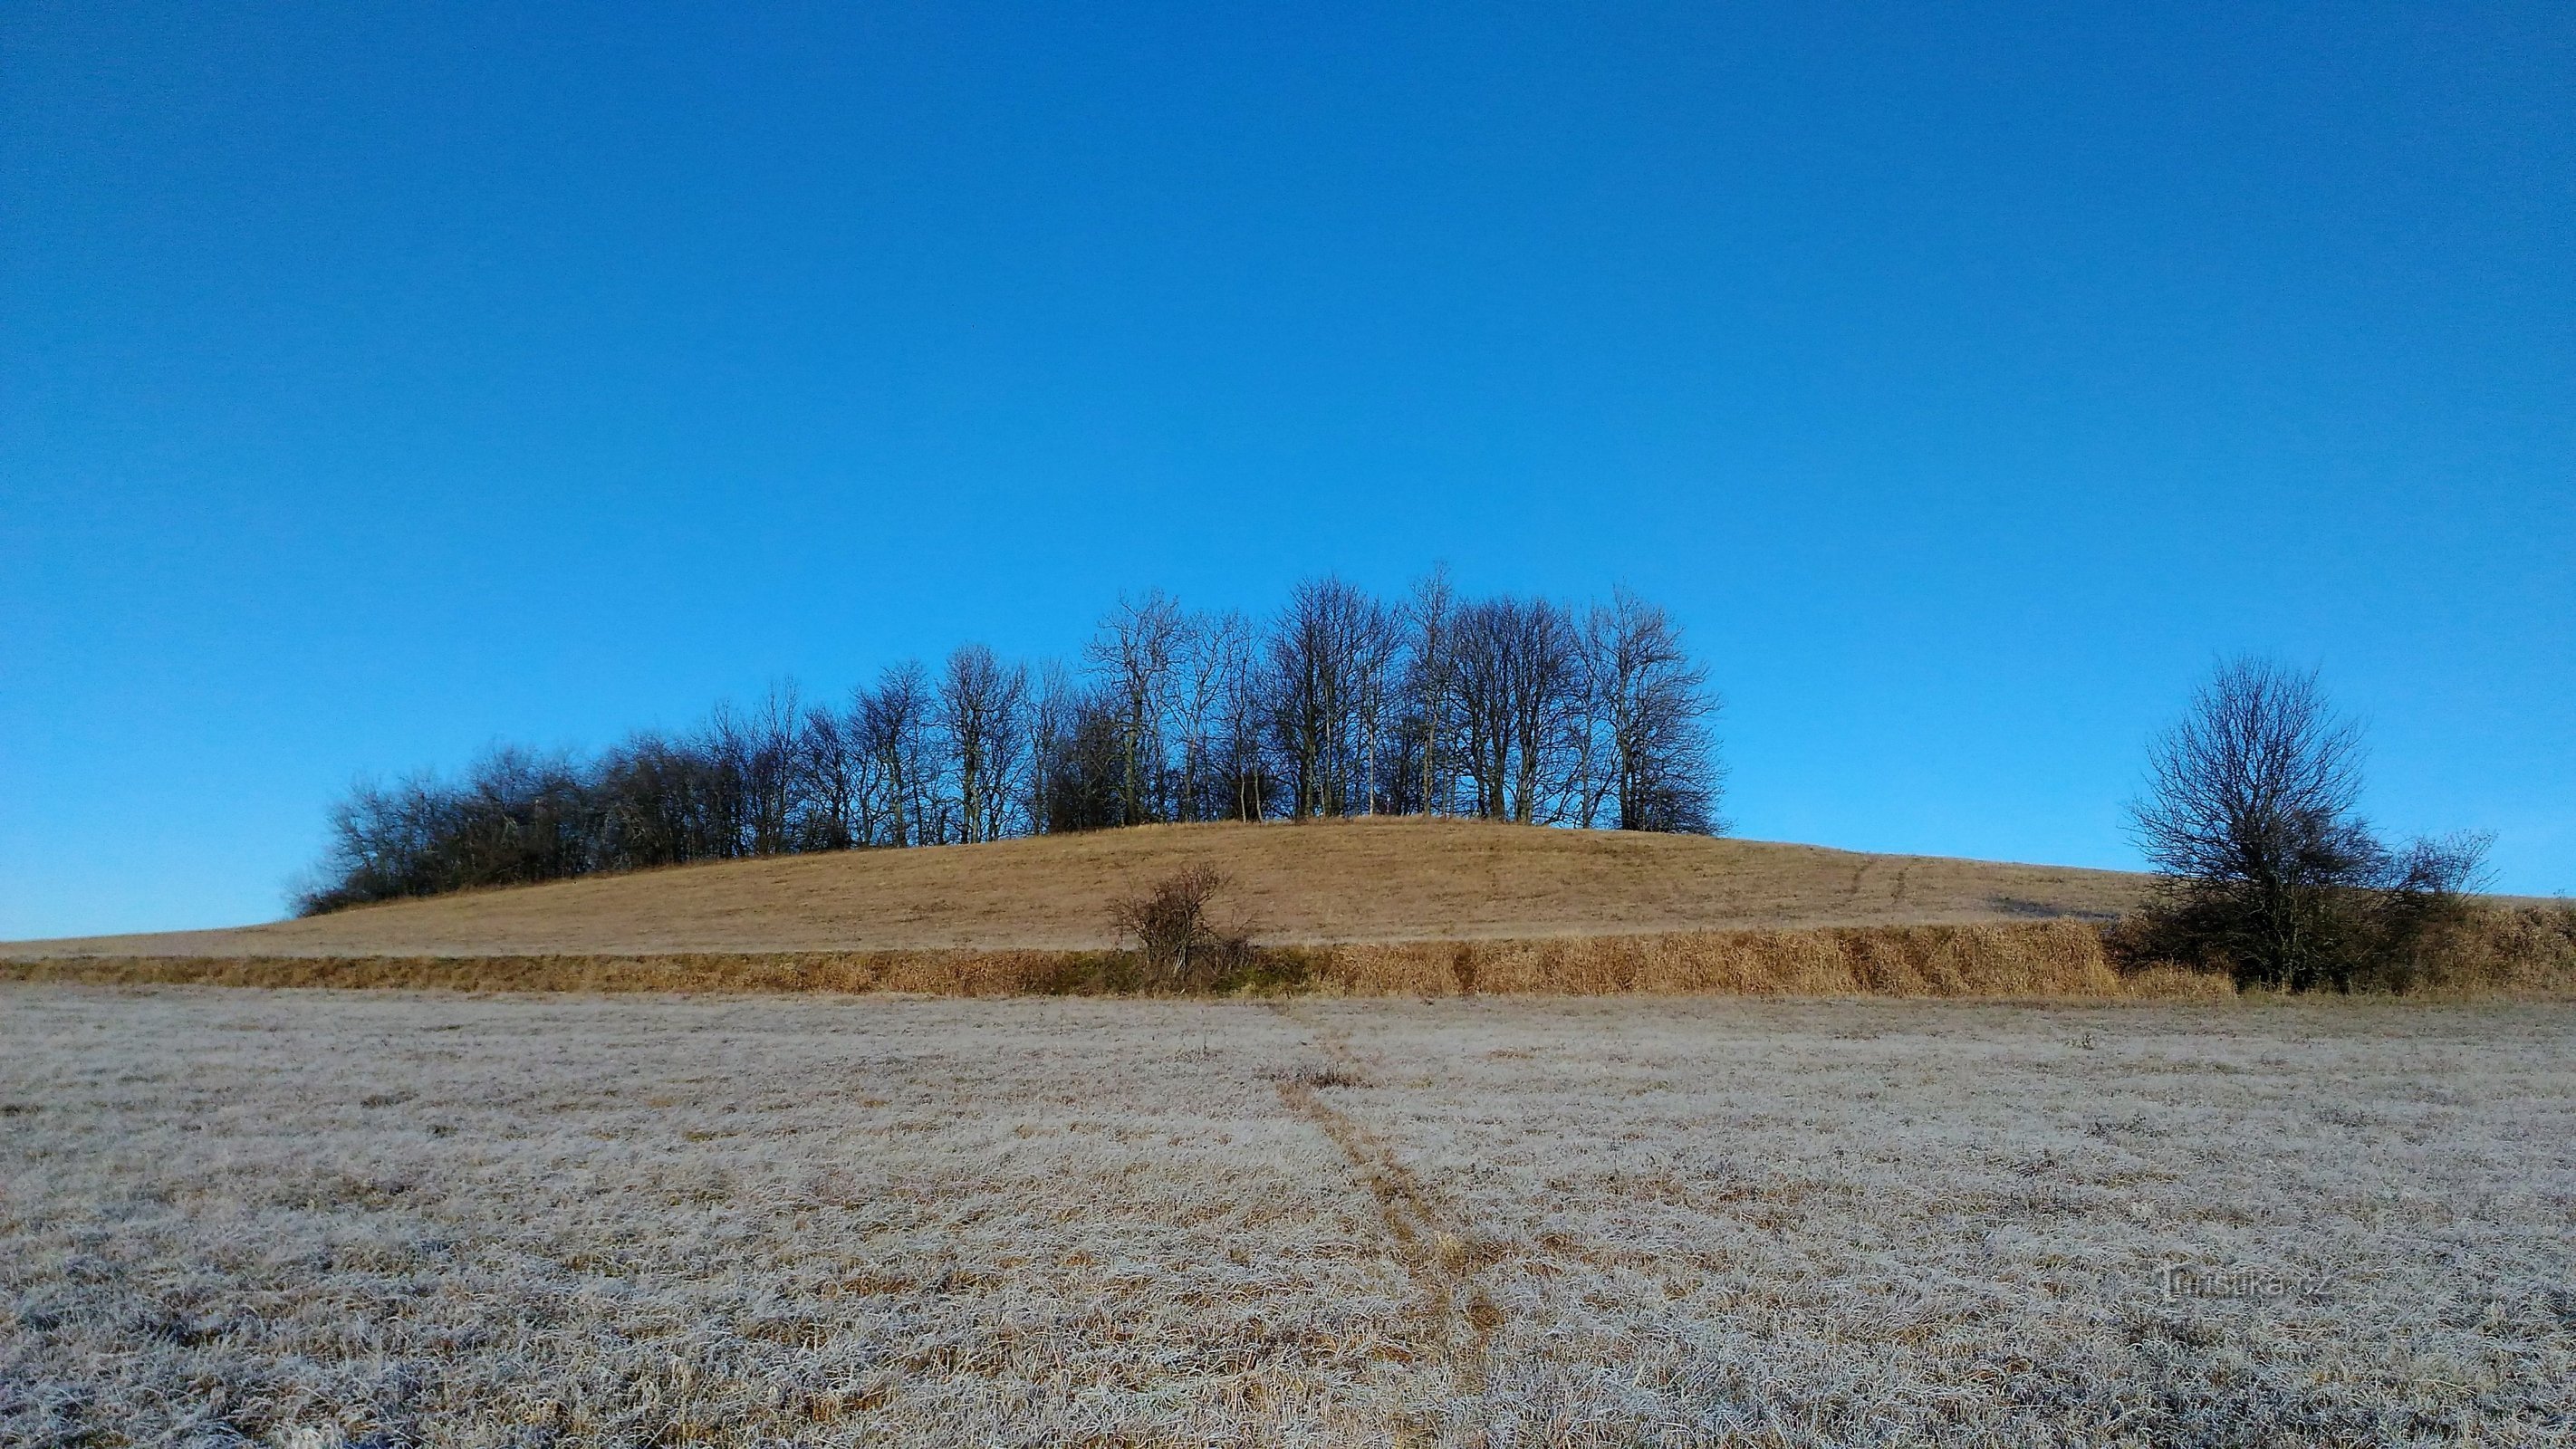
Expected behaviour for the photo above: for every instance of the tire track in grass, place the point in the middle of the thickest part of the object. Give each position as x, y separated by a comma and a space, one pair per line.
1457, 1319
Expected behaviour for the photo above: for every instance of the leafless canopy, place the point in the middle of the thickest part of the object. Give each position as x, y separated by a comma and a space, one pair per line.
1517, 709
2252, 817
982, 706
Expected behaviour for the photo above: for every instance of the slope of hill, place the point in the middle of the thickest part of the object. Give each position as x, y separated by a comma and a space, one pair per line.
1385, 880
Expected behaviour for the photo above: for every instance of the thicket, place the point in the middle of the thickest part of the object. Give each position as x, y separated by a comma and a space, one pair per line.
1339, 704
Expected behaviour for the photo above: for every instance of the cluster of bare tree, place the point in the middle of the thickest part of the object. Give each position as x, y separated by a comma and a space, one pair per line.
2266, 869
1342, 704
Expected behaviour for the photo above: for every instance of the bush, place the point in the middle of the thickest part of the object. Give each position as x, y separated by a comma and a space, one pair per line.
1182, 948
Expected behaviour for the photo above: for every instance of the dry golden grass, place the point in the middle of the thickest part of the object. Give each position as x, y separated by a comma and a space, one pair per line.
2047, 960
2506, 948
1385, 880
1353, 908
2052, 960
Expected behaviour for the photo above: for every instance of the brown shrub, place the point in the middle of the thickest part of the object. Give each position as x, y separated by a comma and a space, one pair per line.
1169, 923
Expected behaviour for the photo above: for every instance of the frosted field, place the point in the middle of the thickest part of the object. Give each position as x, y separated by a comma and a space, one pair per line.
318, 1218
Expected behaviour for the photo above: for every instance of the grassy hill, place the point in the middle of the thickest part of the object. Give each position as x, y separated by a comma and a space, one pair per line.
1356, 881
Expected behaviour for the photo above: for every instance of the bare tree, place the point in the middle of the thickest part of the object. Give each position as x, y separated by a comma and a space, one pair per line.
772, 742
1328, 655
1052, 704
1244, 710
660, 803
1652, 704
1374, 641
2251, 821
723, 750
980, 708
1546, 710
1519, 690
831, 767
1301, 687
1427, 617
1133, 654
894, 721
1215, 646
1078, 769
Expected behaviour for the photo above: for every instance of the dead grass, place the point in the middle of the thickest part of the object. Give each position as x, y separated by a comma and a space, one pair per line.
2508, 954
2051, 960
1315, 884
2507, 950
325, 1218
1355, 908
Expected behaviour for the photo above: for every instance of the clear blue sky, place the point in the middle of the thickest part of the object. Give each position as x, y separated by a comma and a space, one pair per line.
382, 381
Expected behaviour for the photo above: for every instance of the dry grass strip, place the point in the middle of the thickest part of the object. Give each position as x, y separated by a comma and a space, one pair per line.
2039, 960
2032, 961
2053, 959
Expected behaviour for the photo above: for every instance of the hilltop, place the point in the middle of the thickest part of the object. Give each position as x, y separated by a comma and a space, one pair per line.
1345, 881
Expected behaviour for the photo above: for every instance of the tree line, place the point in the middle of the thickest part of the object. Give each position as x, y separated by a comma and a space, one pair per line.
1339, 704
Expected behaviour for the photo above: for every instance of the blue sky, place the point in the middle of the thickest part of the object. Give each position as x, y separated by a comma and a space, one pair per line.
382, 383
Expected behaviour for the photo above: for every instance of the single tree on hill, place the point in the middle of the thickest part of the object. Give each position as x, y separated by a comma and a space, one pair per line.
2267, 868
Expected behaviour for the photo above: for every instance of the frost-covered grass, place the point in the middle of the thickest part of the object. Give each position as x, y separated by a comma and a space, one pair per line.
316, 1218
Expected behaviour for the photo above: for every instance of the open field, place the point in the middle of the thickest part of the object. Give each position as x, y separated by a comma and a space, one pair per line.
320, 1217
1383, 880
